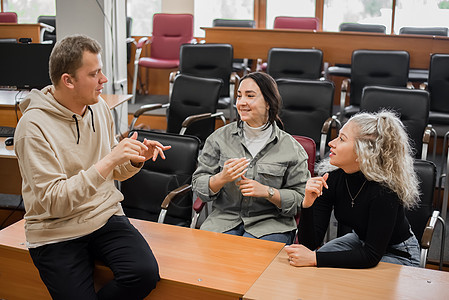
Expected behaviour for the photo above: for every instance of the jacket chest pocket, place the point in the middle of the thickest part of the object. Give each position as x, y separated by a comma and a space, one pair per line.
271, 174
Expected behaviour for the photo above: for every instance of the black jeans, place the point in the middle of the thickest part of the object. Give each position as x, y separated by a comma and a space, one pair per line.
66, 268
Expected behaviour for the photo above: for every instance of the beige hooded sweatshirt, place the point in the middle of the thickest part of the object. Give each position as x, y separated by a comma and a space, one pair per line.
64, 195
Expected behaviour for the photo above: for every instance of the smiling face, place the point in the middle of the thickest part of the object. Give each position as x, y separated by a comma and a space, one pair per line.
251, 105
342, 152
88, 80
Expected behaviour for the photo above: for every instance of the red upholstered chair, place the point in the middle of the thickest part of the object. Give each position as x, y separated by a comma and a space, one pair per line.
170, 31
8, 17
296, 23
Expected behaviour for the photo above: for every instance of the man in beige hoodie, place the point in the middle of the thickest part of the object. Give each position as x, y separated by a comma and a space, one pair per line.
69, 158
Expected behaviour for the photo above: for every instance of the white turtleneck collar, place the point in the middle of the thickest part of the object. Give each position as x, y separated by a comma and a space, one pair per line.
256, 137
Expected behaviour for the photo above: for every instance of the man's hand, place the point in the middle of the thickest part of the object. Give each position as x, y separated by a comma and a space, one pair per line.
130, 149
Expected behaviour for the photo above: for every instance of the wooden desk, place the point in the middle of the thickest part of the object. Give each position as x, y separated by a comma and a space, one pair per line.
385, 281
8, 100
17, 31
337, 47
10, 179
194, 264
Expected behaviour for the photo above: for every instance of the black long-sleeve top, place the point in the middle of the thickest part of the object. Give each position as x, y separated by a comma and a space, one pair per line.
377, 217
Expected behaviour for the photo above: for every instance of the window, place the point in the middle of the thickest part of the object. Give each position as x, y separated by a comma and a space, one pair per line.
142, 11
356, 11
289, 8
28, 11
434, 13
205, 11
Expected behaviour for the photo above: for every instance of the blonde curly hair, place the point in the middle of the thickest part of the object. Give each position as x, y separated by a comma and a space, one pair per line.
384, 154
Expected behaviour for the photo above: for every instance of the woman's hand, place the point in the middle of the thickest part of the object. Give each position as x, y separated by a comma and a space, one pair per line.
251, 188
233, 169
314, 189
300, 256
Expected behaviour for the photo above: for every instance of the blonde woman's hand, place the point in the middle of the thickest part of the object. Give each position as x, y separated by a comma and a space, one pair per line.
300, 256
314, 189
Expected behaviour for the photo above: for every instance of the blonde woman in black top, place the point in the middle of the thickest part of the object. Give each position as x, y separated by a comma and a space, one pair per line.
370, 188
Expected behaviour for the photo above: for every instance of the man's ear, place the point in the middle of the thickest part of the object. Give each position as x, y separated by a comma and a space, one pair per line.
67, 80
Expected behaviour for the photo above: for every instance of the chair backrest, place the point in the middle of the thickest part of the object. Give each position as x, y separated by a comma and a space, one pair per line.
418, 217
209, 61
170, 31
412, 106
49, 20
295, 63
309, 145
234, 23
306, 105
357, 27
8, 17
377, 67
190, 96
438, 31
145, 191
438, 83
296, 23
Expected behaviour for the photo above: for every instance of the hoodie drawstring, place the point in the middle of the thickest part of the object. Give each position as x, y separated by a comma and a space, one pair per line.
92, 114
77, 129
77, 126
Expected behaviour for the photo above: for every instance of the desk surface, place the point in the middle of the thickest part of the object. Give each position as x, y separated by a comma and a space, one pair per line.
337, 47
385, 281
192, 262
20, 30
8, 98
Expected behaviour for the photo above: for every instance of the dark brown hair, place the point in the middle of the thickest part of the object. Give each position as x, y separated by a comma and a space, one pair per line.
270, 93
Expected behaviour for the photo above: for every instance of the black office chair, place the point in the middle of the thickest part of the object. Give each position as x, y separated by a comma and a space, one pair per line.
422, 218
307, 110
372, 67
193, 106
129, 39
48, 34
239, 64
295, 63
412, 106
437, 31
358, 27
344, 70
211, 61
422, 75
161, 191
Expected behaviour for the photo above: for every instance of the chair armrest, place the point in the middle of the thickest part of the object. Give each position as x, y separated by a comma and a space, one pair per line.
426, 239
142, 42
145, 108
172, 76
428, 132
198, 205
344, 90
325, 130
179, 192
194, 118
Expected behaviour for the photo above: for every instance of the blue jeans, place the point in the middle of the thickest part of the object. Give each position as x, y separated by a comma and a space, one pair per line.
409, 247
284, 237
67, 267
